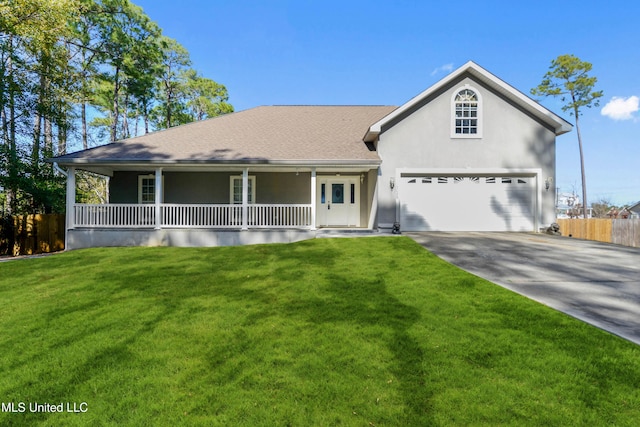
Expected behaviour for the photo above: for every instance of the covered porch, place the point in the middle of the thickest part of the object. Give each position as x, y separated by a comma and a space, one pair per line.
211, 206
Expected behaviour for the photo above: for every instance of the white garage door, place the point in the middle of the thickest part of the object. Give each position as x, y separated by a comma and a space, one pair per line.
467, 203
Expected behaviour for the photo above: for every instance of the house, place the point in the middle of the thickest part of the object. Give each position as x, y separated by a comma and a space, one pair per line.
469, 153
566, 204
635, 210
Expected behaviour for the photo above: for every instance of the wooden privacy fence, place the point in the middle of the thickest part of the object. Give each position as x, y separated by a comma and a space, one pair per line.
618, 231
626, 232
35, 234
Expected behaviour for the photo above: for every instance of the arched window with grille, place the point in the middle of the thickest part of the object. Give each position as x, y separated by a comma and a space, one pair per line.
467, 113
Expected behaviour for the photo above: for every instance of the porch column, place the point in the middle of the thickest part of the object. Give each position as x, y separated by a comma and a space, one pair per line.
245, 199
313, 198
71, 202
158, 198
70, 207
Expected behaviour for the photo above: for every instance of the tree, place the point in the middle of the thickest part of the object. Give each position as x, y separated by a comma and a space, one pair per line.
33, 83
86, 53
206, 98
128, 44
567, 78
183, 96
63, 61
601, 208
175, 60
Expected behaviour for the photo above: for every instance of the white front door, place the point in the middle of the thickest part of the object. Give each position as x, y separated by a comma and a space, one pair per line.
338, 202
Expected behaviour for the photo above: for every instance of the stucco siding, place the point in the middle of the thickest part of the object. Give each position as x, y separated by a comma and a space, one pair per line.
511, 139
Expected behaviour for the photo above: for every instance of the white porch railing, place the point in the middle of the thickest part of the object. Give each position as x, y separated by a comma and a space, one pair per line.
279, 216
192, 216
201, 216
114, 215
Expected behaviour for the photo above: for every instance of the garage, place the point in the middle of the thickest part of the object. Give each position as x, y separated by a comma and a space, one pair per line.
430, 202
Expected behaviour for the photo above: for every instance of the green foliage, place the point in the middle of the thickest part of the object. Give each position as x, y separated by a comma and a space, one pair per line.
91, 188
568, 79
61, 58
184, 95
206, 98
354, 332
41, 22
37, 189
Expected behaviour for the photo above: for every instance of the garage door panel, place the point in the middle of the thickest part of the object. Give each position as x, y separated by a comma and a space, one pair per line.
467, 203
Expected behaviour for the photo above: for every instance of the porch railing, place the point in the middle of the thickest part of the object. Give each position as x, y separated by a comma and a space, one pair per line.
279, 216
201, 216
192, 216
114, 215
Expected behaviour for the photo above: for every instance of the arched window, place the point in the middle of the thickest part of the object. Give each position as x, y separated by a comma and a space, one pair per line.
466, 114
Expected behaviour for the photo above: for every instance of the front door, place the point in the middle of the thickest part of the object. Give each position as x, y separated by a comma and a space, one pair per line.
338, 202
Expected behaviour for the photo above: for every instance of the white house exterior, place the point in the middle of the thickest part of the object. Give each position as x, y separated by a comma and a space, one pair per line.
468, 153
495, 175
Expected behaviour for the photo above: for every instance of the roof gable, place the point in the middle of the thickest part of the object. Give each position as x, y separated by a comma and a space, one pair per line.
479, 74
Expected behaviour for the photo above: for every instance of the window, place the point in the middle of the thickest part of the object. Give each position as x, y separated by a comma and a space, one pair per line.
466, 113
337, 193
235, 191
147, 188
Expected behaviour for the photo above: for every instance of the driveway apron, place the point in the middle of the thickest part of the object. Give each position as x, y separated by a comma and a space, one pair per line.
595, 282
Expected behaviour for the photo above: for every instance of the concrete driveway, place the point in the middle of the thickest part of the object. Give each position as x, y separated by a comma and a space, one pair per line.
595, 282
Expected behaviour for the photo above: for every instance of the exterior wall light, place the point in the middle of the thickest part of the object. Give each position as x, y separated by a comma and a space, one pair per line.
547, 183
392, 183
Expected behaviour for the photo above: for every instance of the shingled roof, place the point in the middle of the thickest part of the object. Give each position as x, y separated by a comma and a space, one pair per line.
268, 134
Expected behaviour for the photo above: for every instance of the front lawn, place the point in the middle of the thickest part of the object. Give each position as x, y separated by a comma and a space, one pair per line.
355, 332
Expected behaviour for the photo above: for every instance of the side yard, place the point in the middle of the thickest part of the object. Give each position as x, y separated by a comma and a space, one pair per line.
369, 331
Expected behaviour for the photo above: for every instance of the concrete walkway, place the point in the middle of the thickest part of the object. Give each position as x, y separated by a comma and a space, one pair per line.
595, 282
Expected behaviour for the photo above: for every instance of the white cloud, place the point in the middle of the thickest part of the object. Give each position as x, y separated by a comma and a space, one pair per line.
446, 68
621, 108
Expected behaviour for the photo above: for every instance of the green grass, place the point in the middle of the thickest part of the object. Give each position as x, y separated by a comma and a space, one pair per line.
351, 332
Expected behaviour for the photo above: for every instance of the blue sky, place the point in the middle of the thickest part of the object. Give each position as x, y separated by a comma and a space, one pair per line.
384, 53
